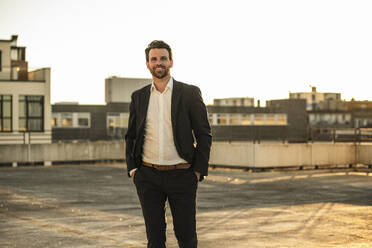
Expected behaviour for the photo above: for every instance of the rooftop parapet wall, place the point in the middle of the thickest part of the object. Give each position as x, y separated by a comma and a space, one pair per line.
364, 153
39, 75
282, 155
239, 154
84, 151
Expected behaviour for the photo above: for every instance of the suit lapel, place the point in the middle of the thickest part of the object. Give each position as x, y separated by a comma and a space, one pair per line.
144, 105
176, 93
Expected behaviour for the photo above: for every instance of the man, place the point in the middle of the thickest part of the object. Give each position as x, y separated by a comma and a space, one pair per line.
167, 149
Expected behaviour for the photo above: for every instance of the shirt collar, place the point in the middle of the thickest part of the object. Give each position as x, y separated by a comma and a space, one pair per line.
169, 85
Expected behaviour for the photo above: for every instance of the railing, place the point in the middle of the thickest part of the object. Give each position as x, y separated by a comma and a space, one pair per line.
23, 74
341, 134
44, 137
292, 135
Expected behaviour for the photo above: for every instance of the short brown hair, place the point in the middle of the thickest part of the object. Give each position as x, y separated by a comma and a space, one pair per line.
158, 44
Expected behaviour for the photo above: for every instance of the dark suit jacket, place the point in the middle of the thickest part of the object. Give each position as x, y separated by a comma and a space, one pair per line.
190, 126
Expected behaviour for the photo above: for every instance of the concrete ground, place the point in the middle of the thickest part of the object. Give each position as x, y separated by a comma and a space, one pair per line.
96, 206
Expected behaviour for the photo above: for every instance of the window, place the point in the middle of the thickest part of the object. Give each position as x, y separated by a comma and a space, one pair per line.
115, 124
270, 119
83, 120
281, 119
117, 120
258, 119
246, 120
234, 119
5, 113
221, 119
113, 120
66, 120
54, 122
31, 113
14, 54
71, 120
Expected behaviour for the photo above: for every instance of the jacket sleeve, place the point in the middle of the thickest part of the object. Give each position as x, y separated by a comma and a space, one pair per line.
202, 131
130, 137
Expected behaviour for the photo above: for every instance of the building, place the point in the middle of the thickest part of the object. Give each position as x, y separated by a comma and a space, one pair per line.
234, 101
361, 113
330, 119
330, 114
25, 109
314, 98
341, 114
297, 118
119, 89
74, 122
281, 120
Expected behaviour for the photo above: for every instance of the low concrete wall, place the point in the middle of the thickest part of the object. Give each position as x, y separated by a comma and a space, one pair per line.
235, 153
85, 151
282, 155
242, 154
334, 154
25, 138
365, 153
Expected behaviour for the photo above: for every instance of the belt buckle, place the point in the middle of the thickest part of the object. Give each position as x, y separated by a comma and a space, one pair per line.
160, 167
169, 167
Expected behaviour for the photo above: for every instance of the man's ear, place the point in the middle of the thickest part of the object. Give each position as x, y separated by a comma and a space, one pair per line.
171, 63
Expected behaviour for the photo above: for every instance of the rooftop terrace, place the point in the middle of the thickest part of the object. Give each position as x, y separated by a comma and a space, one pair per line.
96, 206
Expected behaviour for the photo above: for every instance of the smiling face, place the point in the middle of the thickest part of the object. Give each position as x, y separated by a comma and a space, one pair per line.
159, 63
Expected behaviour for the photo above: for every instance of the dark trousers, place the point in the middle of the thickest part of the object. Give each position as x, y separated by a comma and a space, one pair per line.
154, 188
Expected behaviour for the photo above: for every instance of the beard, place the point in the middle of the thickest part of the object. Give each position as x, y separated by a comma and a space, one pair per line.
160, 74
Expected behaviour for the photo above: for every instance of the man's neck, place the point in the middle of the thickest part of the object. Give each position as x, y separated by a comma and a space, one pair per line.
160, 84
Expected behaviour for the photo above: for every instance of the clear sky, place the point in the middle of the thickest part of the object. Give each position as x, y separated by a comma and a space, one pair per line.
261, 49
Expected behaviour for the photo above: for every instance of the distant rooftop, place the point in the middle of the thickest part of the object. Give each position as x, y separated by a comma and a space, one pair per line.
66, 103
